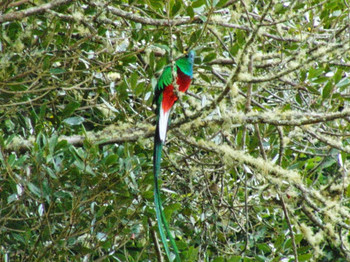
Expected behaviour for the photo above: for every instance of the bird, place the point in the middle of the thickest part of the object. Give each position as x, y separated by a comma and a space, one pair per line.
164, 98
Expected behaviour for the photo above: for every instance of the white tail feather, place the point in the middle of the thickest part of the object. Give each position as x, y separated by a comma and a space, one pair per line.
163, 123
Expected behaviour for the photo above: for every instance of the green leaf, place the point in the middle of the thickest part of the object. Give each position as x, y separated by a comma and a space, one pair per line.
194, 37
164, 47
190, 11
219, 259
34, 189
161, 63
11, 198
9, 125
198, 3
50, 172
305, 257
170, 209
221, 3
234, 49
312, 89
148, 195
111, 160
191, 253
315, 72
258, 258
235, 259
42, 112
179, 42
203, 18
156, 4
298, 238
152, 60
240, 36
46, 191
279, 8
205, 77
264, 247
348, 191
338, 75
176, 7
11, 160
133, 79
327, 89
74, 121
70, 108
60, 145
345, 82
279, 241
18, 237
209, 57
46, 63
57, 71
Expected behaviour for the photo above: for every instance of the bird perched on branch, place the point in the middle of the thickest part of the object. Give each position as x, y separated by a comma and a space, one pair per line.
164, 98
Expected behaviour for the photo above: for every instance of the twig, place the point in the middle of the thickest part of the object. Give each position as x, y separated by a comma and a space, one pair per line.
295, 250
327, 141
18, 15
155, 241
281, 149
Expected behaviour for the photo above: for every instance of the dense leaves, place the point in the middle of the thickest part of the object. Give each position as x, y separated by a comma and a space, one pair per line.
256, 166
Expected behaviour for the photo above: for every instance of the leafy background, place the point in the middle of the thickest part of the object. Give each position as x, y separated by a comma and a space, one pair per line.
256, 166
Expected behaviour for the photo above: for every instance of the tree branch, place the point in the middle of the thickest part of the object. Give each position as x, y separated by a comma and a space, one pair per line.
18, 15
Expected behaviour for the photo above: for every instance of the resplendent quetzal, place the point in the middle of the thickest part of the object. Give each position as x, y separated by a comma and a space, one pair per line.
164, 97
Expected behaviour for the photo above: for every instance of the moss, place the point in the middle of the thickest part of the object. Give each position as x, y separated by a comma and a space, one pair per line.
313, 239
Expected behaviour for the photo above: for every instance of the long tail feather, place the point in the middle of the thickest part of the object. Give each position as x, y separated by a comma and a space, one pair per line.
162, 223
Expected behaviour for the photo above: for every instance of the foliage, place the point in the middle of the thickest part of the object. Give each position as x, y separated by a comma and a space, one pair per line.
256, 166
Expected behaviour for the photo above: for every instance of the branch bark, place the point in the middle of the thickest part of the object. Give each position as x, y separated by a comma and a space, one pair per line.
18, 15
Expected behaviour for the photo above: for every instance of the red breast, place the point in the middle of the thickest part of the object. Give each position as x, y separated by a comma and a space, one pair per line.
169, 97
